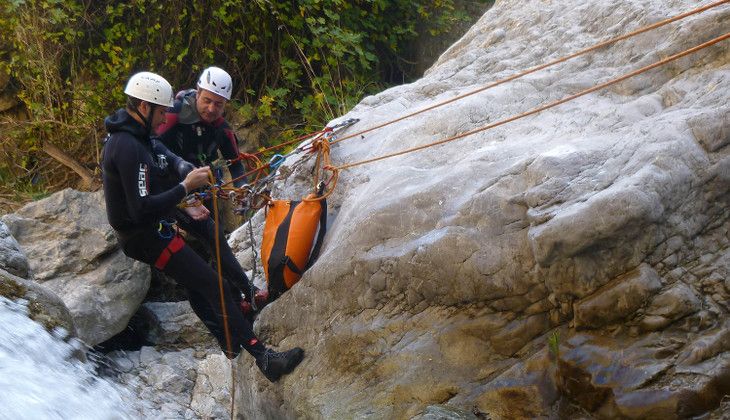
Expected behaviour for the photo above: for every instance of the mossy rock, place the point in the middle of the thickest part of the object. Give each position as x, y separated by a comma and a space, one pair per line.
43, 305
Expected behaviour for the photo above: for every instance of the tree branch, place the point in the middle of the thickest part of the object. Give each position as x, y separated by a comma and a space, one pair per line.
87, 177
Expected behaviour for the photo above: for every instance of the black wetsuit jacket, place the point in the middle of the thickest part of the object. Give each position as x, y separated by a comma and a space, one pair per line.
141, 187
196, 141
141, 183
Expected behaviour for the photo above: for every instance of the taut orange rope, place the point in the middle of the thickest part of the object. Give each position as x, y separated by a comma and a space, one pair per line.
544, 107
540, 67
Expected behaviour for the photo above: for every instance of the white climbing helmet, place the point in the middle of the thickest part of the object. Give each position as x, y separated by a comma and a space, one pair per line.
216, 80
150, 87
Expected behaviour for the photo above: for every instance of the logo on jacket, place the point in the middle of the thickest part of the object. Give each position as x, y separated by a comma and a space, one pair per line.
142, 180
162, 162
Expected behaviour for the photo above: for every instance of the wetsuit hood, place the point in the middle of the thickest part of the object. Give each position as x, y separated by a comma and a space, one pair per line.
122, 121
187, 110
185, 107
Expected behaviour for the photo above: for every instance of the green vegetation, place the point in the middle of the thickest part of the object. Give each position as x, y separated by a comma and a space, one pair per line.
554, 345
295, 65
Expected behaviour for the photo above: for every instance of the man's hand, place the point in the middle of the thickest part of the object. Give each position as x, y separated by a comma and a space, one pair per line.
197, 178
198, 212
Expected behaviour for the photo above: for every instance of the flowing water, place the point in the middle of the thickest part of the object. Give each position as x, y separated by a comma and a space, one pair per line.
41, 379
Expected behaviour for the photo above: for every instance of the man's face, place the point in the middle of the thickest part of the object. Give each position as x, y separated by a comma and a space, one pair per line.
210, 106
158, 117
158, 114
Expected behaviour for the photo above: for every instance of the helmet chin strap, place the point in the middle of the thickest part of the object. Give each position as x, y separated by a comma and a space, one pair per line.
148, 119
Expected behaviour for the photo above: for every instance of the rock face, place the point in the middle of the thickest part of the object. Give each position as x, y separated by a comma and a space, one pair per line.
43, 305
602, 223
184, 384
173, 323
73, 252
12, 257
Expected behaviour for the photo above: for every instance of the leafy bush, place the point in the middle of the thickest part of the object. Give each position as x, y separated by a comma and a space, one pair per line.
295, 65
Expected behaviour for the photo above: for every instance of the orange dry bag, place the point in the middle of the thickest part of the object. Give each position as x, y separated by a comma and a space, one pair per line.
293, 235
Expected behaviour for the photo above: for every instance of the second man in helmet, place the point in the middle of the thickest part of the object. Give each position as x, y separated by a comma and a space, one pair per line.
195, 128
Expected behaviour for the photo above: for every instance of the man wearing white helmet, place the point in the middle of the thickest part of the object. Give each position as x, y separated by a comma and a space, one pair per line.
143, 184
195, 127
196, 130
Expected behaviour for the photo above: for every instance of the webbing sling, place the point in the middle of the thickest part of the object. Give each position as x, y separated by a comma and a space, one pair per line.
175, 245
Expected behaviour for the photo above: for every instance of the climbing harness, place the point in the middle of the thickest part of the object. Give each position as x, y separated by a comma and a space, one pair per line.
166, 228
256, 193
175, 245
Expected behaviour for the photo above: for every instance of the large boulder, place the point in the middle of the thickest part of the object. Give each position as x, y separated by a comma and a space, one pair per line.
579, 254
73, 252
12, 258
172, 324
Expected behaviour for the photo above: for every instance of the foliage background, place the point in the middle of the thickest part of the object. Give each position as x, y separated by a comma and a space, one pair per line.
295, 64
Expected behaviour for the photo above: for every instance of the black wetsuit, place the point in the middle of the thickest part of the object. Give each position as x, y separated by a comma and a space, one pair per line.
142, 189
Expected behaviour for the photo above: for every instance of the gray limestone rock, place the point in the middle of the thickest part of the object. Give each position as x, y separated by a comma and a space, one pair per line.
72, 251
212, 391
579, 254
44, 306
12, 257
605, 217
618, 300
173, 323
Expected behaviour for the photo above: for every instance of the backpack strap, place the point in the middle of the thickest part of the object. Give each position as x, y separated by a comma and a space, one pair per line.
320, 235
278, 259
286, 261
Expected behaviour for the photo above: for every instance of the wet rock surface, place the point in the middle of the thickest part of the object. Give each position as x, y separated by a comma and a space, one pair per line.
572, 265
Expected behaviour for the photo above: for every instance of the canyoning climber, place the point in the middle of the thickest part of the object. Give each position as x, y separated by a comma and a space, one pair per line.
196, 131
195, 128
143, 184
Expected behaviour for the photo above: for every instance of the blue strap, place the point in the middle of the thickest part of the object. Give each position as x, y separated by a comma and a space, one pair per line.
276, 161
218, 176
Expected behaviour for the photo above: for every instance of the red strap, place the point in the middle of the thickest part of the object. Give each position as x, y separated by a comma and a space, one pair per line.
176, 244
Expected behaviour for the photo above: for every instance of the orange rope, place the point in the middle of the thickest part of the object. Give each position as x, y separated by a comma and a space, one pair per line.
322, 164
543, 108
253, 171
335, 169
257, 167
224, 313
296, 140
218, 261
540, 67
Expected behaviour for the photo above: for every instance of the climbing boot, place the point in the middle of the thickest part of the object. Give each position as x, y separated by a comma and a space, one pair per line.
276, 364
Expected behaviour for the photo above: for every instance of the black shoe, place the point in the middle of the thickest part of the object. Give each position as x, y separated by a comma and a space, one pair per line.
274, 364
